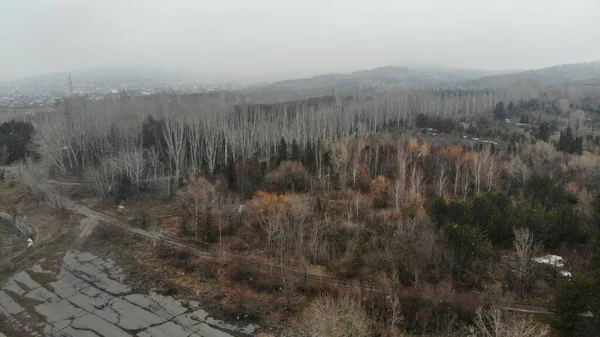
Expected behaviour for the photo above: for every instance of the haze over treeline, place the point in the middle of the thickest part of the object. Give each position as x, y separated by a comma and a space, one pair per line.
350, 190
270, 40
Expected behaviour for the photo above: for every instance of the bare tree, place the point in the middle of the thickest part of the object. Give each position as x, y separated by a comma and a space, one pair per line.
329, 317
458, 163
401, 166
525, 249
356, 158
494, 322
195, 144
132, 162
396, 193
393, 299
298, 211
441, 179
466, 182
339, 161
173, 134
211, 138
154, 226
198, 198
491, 167
416, 181
51, 141
270, 218
477, 164
34, 177
518, 170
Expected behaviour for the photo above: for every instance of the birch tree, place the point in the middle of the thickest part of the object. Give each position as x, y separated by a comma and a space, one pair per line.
525, 249
477, 163
359, 146
441, 179
173, 134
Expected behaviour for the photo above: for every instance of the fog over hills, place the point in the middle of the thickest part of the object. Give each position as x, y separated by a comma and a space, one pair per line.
450, 77
418, 76
559, 74
145, 79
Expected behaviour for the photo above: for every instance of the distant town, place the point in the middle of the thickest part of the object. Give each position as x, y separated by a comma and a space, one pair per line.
46, 91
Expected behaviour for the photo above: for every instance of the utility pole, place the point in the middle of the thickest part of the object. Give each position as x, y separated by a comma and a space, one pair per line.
70, 85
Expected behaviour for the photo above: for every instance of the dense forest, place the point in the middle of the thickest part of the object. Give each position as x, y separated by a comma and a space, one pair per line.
437, 198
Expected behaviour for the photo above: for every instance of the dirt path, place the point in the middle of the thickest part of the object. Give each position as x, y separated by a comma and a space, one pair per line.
268, 267
93, 217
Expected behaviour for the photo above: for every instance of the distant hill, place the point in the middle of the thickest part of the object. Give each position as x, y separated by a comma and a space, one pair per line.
107, 80
576, 73
433, 77
388, 75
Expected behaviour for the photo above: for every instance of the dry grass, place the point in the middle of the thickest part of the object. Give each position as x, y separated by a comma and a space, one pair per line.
15, 200
14, 194
144, 266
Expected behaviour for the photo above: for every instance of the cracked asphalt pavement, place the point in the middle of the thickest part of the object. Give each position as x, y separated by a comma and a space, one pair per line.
89, 296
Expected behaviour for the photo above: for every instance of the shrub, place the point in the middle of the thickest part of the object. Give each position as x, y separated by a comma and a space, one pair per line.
348, 268
207, 268
6, 267
264, 283
289, 176
329, 317
143, 219
237, 244
169, 289
495, 322
241, 302
183, 224
240, 271
180, 258
104, 233
379, 190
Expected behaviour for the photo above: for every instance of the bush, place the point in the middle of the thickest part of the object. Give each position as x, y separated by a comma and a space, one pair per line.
237, 244
575, 296
248, 273
445, 125
143, 219
124, 188
15, 140
240, 271
343, 316
379, 190
348, 268
180, 258
6, 267
289, 176
207, 268
104, 233
183, 224
241, 302
264, 283
169, 289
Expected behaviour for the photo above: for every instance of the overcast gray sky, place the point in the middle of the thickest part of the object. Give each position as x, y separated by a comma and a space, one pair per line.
255, 40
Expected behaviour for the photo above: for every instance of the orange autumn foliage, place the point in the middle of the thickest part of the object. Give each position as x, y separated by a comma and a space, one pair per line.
379, 191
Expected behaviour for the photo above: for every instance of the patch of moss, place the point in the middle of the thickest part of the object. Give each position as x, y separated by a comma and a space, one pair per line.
43, 278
